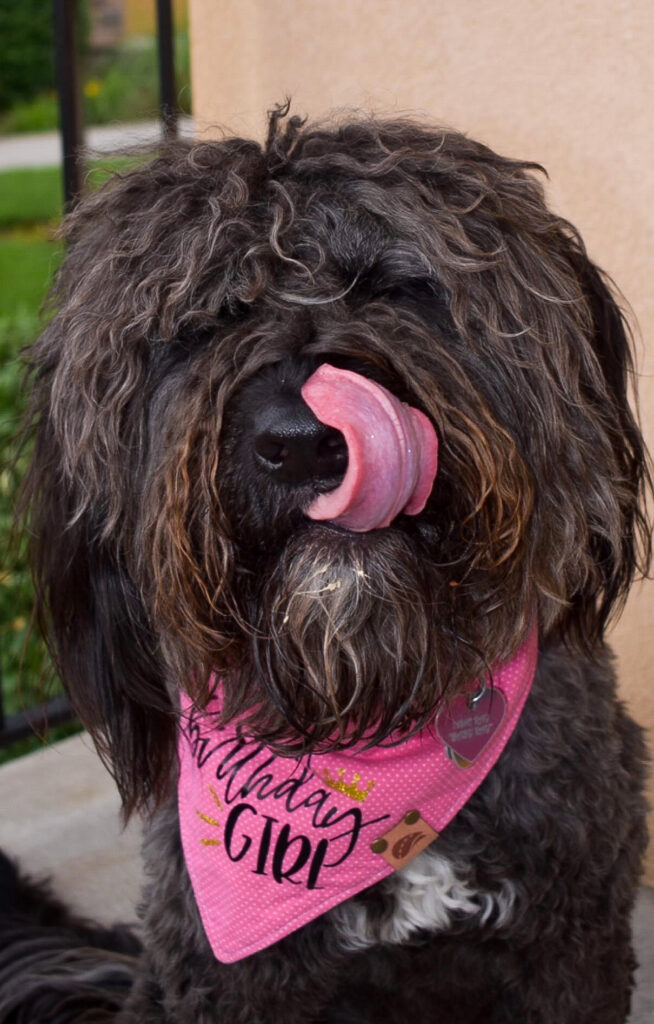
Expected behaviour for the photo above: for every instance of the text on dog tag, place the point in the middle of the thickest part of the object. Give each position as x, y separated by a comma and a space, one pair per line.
466, 726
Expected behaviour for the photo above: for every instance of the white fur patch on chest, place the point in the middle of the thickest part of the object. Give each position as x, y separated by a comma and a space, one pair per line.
426, 895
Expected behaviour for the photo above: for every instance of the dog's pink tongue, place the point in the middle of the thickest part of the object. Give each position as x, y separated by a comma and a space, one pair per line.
392, 450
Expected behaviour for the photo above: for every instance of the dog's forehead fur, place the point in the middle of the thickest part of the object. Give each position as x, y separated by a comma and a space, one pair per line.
222, 269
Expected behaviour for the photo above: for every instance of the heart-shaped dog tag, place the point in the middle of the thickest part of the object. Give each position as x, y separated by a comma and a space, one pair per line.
467, 725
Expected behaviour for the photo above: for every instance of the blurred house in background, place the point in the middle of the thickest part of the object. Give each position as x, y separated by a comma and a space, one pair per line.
107, 24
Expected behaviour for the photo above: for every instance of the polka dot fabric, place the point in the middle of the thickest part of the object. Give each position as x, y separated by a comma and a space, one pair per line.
271, 843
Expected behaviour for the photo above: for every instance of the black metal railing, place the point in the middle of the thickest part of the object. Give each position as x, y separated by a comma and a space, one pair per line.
70, 97
39, 718
166, 53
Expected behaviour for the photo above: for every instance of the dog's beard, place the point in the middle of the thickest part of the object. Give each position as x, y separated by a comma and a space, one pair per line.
354, 639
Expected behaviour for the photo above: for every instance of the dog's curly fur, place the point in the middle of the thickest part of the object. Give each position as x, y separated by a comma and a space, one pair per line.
215, 280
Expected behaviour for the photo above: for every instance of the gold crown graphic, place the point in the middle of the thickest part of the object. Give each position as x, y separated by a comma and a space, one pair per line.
350, 789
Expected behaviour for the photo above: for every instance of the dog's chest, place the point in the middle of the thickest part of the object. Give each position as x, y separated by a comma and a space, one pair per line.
427, 895
272, 843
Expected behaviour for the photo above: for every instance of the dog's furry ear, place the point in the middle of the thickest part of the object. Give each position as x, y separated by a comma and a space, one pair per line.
124, 296
101, 642
616, 564
95, 625
91, 373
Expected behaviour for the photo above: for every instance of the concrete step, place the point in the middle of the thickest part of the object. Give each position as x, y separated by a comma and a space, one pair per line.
61, 819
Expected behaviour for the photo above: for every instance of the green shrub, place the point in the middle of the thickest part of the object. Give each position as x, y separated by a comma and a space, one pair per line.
27, 65
124, 86
118, 86
30, 201
38, 115
23, 653
28, 260
27, 675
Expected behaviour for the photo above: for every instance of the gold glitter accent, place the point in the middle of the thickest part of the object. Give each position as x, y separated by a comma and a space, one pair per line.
209, 821
350, 789
215, 797
210, 842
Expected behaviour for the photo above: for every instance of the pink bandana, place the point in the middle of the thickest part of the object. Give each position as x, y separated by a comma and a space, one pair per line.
271, 843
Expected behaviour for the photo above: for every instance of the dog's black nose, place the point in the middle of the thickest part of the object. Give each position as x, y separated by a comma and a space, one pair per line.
296, 448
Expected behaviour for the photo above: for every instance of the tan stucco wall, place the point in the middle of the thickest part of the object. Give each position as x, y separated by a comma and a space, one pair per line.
570, 84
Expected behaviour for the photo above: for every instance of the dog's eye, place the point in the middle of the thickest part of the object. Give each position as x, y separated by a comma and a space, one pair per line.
378, 284
418, 291
425, 299
234, 310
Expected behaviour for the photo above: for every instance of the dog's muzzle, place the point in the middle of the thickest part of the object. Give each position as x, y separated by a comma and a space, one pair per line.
392, 451
368, 455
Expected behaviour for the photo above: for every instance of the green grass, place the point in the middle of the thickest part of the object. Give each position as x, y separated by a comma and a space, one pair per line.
35, 195
30, 206
27, 263
30, 196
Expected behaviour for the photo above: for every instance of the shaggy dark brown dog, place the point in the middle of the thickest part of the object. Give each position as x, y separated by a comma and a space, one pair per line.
171, 542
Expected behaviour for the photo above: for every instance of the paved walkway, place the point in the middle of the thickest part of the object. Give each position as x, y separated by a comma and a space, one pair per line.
43, 149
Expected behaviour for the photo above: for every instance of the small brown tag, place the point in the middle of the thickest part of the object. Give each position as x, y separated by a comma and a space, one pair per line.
405, 840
